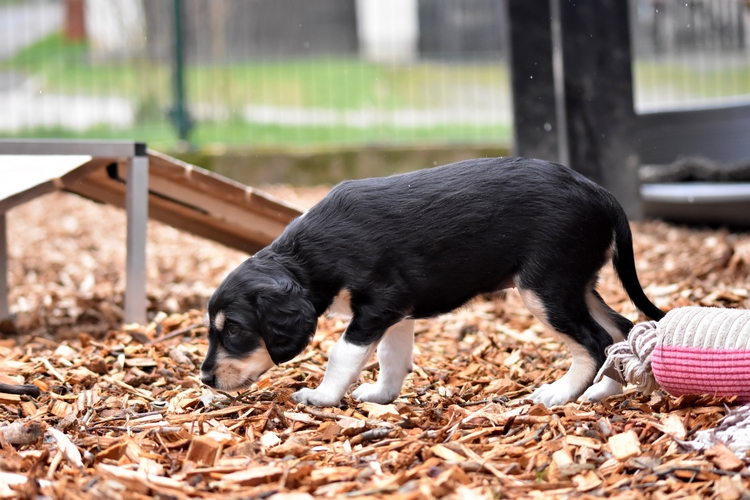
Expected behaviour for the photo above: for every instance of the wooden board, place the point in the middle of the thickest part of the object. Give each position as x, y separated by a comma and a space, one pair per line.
197, 201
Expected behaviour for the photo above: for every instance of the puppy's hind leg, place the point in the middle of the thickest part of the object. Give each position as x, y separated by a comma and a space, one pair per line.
618, 327
585, 338
345, 363
395, 359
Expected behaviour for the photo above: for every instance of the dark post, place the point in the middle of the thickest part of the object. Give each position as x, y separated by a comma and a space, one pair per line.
532, 79
601, 120
179, 113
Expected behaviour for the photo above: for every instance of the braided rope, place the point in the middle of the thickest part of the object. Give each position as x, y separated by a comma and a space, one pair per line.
631, 358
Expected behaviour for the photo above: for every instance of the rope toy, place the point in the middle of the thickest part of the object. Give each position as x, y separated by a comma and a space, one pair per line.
691, 350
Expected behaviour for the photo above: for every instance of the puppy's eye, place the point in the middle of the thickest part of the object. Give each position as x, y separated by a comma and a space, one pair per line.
233, 329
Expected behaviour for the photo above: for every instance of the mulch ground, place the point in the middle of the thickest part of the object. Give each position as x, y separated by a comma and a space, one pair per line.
121, 412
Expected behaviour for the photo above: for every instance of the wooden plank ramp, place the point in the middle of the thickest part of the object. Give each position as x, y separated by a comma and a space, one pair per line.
181, 195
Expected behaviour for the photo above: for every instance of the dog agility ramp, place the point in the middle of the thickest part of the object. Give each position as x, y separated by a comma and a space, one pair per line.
179, 194
197, 201
162, 188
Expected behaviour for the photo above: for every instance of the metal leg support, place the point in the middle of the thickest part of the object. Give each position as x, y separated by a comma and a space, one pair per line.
136, 205
4, 309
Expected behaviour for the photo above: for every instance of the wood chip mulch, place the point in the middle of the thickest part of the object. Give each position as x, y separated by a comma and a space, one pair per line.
107, 411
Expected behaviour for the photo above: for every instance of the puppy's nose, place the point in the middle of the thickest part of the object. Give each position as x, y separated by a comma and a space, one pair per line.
209, 379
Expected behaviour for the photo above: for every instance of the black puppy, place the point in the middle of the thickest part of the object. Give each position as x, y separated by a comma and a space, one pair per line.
417, 245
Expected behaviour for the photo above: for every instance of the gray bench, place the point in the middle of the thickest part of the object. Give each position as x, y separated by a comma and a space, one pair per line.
726, 203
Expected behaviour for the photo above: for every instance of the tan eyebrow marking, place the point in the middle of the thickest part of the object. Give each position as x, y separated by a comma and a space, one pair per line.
219, 320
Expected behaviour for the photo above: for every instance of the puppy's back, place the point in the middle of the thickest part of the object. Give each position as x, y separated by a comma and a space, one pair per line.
467, 196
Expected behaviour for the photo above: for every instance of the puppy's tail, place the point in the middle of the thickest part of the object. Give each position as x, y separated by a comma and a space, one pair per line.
624, 264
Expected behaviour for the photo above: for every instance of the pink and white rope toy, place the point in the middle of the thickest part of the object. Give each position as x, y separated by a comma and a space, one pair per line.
692, 350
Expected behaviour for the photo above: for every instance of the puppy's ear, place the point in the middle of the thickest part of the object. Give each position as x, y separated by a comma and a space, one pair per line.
287, 319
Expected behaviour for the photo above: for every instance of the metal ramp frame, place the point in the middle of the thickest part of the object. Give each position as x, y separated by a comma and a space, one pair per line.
147, 184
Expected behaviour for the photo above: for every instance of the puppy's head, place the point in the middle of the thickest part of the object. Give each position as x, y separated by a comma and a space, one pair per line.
258, 317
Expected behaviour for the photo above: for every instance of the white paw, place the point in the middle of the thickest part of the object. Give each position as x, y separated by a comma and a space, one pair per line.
315, 397
557, 393
374, 394
603, 389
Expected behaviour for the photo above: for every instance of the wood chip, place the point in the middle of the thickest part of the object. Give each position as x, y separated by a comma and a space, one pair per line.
378, 411
69, 450
10, 399
625, 445
290, 448
254, 476
562, 458
60, 408
674, 425
270, 439
574, 440
730, 488
724, 458
587, 481
351, 426
446, 454
140, 362
203, 451
299, 417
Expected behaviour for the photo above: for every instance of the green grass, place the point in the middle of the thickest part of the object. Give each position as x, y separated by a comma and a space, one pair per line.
343, 83
676, 80
322, 83
11, 3
314, 83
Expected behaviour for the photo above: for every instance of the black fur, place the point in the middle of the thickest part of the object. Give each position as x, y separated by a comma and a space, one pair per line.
424, 243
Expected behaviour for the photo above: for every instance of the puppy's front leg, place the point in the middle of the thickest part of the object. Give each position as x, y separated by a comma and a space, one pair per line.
345, 363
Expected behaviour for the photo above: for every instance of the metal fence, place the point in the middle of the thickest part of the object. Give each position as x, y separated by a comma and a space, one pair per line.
292, 73
690, 52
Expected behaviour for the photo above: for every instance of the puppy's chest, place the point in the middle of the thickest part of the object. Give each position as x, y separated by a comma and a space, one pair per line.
341, 306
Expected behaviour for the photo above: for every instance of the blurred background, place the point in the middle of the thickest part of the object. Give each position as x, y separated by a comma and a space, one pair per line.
204, 78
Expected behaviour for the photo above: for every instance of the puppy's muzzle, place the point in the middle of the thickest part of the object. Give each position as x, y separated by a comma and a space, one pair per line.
228, 373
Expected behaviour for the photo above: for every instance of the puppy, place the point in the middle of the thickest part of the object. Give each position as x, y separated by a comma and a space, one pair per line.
394, 249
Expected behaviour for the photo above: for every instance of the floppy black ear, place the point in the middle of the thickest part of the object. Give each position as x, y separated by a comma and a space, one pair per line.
287, 319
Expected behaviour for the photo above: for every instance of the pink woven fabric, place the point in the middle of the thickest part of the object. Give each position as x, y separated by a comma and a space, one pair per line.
692, 370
